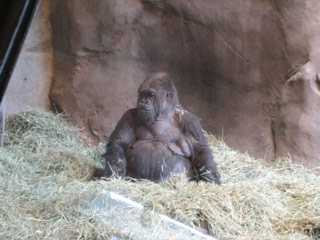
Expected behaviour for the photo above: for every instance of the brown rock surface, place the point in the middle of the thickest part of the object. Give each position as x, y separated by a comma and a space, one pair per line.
235, 63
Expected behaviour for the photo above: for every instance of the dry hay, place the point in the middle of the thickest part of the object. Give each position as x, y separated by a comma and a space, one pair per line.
45, 168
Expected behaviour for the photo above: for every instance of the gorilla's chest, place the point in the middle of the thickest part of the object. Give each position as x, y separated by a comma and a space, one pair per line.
165, 130
158, 152
166, 133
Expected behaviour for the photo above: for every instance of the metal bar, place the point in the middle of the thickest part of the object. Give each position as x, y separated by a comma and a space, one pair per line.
15, 45
2, 120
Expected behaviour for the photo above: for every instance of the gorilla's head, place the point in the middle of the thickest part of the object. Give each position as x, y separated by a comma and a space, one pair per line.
157, 98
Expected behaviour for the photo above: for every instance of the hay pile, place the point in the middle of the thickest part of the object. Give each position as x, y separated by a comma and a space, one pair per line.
45, 168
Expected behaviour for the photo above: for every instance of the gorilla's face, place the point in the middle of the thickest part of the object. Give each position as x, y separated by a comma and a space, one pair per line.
157, 98
147, 105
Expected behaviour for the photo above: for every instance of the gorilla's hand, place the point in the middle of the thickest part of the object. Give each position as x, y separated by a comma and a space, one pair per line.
211, 176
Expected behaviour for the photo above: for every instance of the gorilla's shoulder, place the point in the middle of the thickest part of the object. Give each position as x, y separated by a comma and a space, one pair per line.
129, 115
131, 112
189, 123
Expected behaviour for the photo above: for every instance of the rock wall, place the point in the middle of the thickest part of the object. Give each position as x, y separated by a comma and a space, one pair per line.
297, 122
246, 68
30, 82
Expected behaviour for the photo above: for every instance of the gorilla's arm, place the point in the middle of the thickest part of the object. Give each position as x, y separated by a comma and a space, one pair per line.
115, 158
202, 161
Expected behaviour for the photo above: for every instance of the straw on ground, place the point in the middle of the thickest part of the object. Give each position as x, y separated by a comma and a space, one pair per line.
45, 167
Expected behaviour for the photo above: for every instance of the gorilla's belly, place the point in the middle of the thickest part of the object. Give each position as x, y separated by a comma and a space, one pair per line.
154, 161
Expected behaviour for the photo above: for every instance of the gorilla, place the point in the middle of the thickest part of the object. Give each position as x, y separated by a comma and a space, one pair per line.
159, 139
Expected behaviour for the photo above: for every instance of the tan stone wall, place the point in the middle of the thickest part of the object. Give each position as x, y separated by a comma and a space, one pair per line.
297, 124
246, 68
30, 82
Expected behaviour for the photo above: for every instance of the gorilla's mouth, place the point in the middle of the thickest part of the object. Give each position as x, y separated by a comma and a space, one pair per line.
146, 114
144, 110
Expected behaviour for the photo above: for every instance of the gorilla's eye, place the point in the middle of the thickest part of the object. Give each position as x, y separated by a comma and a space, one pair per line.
147, 96
151, 95
168, 94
